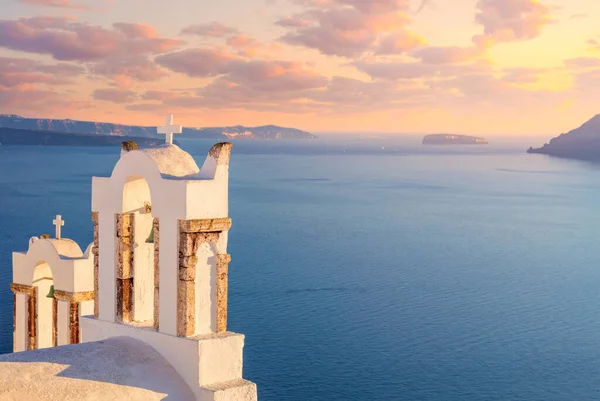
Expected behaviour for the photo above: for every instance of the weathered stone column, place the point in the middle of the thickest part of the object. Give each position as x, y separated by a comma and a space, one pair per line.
14, 322
95, 252
222, 291
32, 320
54, 322
30, 293
124, 276
74, 299
156, 272
192, 234
74, 323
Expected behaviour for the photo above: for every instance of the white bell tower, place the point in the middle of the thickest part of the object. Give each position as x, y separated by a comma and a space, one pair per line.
161, 264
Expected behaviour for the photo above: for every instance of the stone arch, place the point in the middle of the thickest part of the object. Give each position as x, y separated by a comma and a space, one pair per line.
129, 170
136, 265
45, 307
52, 252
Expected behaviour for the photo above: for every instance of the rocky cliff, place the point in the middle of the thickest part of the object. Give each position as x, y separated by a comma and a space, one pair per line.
580, 143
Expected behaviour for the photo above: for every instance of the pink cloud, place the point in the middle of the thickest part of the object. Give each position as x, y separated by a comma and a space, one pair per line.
274, 76
27, 99
200, 63
145, 107
293, 22
158, 95
510, 20
260, 75
68, 40
210, 29
364, 6
351, 28
56, 4
136, 31
249, 47
125, 69
377, 6
399, 42
447, 55
587, 81
399, 70
242, 41
582, 62
521, 75
15, 72
115, 95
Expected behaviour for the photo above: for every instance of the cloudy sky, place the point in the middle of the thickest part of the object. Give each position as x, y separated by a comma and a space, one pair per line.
469, 66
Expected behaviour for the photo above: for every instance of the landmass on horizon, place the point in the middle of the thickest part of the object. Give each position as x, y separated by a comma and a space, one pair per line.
453, 139
582, 143
13, 136
268, 132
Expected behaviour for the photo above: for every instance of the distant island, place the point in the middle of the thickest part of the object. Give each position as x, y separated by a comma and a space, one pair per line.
582, 143
452, 139
109, 129
12, 136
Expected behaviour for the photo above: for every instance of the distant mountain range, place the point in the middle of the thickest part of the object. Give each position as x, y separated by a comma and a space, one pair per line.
13, 136
581, 143
88, 127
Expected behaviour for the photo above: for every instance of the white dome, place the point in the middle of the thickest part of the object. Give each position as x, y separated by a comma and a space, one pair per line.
173, 161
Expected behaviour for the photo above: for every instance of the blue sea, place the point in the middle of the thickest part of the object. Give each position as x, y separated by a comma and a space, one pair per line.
377, 268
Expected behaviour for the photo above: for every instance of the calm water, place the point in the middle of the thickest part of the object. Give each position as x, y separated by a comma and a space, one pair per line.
367, 274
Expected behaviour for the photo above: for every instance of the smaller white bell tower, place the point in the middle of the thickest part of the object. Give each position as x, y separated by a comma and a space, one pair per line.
53, 286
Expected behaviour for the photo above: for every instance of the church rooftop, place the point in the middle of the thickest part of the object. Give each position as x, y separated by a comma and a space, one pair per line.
119, 368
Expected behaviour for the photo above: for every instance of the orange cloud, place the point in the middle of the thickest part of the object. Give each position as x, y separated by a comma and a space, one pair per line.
510, 20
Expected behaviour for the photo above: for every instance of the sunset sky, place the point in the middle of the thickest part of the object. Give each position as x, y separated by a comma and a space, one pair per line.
465, 66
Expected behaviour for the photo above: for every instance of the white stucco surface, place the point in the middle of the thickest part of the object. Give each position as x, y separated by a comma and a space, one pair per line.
200, 360
143, 278
44, 314
206, 294
86, 308
62, 322
115, 369
20, 341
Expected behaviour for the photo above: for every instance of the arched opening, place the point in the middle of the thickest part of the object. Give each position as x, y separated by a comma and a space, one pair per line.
45, 306
137, 203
